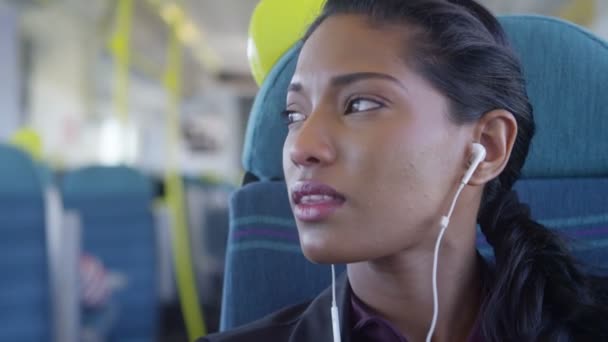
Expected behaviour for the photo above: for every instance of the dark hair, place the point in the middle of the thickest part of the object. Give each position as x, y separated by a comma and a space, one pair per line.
537, 290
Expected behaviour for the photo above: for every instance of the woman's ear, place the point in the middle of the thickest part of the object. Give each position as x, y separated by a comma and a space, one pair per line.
496, 131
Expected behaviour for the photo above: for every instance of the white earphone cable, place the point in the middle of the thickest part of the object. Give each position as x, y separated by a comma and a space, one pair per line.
335, 319
479, 154
445, 220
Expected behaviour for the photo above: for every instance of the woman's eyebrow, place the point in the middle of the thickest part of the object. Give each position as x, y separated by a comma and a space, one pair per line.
347, 79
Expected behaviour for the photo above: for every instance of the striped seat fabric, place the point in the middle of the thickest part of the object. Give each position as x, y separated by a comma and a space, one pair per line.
263, 232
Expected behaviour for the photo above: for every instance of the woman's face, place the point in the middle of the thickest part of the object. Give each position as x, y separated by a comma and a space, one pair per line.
371, 160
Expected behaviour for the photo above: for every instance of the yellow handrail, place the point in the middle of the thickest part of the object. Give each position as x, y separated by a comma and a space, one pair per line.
119, 45
192, 313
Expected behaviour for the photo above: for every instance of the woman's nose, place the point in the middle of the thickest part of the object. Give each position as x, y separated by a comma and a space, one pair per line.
312, 144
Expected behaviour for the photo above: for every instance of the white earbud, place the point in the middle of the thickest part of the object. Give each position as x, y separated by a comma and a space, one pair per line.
478, 155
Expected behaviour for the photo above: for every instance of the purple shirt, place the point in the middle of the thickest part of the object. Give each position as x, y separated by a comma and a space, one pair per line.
368, 326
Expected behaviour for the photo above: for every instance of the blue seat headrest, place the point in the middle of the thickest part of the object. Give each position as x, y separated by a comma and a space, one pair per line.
19, 173
102, 180
566, 69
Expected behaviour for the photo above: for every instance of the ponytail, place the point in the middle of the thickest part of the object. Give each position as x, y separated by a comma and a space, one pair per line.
539, 292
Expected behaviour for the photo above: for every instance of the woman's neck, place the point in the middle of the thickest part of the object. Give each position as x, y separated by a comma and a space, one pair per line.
399, 288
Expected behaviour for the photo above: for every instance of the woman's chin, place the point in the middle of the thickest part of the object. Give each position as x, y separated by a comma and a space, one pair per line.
319, 256
320, 251
328, 252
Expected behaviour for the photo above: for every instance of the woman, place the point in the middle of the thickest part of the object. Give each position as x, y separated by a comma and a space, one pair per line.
387, 100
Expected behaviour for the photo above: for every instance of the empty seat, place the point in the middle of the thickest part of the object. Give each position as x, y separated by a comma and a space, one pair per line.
25, 290
115, 208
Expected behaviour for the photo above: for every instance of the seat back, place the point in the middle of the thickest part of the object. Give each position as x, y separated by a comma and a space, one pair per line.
207, 208
565, 176
115, 209
25, 289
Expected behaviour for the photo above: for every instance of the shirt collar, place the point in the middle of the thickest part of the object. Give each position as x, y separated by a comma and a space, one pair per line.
367, 325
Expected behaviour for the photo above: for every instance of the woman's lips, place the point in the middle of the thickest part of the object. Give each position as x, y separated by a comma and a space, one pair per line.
314, 201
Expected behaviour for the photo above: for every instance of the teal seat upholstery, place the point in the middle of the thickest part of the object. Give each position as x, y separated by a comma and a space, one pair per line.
565, 179
25, 286
115, 209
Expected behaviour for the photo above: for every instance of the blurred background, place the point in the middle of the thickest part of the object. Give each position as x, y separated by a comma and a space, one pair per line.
162, 87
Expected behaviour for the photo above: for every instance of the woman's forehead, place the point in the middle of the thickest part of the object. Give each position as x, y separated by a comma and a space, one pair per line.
348, 43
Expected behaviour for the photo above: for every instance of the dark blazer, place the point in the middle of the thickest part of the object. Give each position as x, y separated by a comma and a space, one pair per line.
306, 322
311, 321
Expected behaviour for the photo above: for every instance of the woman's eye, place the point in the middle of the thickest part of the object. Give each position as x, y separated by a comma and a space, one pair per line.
362, 105
293, 116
